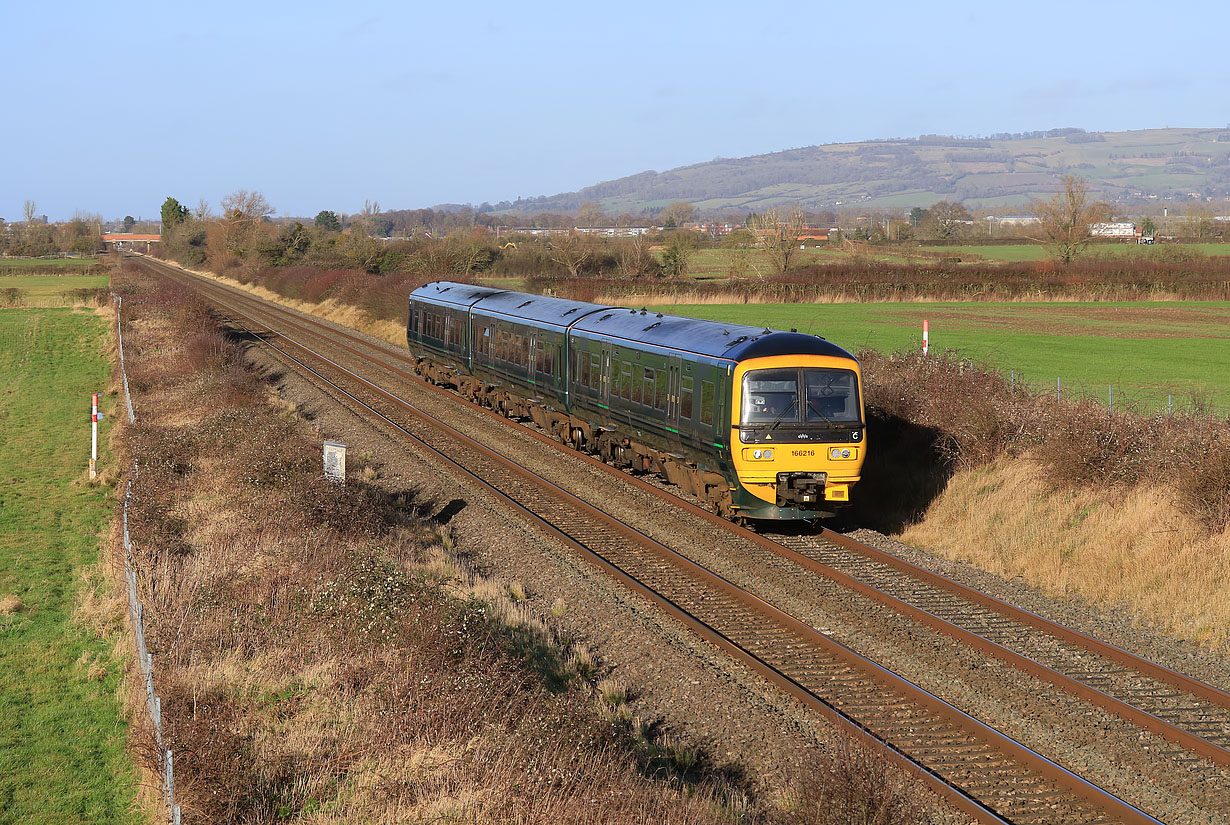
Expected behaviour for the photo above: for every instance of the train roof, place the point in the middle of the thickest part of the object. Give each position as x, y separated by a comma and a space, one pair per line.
715, 339
522, 305
735, 342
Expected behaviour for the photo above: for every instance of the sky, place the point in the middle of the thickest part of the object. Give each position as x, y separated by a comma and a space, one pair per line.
111, 108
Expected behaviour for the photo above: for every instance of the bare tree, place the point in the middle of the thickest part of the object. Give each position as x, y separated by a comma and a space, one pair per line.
571, 250
947, 219
202, 212
590, 214
680, 212
778, 237
29, 210
1064, 219
634, 257
242, 211
738, 246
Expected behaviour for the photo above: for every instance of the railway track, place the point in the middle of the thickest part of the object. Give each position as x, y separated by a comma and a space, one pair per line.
996, 779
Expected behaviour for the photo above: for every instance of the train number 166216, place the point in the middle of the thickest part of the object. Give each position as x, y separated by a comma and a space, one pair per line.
803, 453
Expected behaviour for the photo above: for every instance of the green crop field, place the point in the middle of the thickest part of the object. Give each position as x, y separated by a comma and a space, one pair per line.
1146, 351
49, 286
46, 264
62, 740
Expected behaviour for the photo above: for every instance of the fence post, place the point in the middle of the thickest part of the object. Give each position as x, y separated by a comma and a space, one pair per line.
1058, 391
1012, 385
1110, 398
1170, 406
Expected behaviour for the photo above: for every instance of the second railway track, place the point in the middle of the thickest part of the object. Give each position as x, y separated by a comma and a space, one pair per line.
1179, 707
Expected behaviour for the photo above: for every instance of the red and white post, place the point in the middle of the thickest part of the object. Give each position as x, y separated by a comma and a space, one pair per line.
95, 415
926, 333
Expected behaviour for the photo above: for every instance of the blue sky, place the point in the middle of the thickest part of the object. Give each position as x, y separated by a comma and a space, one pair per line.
111, 108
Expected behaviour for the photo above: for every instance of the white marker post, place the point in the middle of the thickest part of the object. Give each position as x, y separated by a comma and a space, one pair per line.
95, 417
926, 333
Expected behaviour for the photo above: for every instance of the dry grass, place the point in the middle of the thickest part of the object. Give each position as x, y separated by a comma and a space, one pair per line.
1129, 547
10, 604
325, 659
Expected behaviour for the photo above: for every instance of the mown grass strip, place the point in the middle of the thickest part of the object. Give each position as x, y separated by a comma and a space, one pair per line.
62, 742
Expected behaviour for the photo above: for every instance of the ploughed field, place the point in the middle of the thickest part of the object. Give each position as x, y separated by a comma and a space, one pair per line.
1152, 354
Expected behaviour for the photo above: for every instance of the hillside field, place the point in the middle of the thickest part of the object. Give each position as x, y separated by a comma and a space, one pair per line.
1146, 351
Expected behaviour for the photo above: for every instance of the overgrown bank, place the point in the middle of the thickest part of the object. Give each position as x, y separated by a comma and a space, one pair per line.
1120, 509
324, 663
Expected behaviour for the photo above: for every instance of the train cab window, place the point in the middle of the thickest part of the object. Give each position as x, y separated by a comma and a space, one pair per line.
685, 397
832, 396
770, 396
707, 399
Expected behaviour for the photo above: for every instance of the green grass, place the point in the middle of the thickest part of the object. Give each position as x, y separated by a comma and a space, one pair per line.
62, 740
1147, 351
1037, 252
48, 286
47, 264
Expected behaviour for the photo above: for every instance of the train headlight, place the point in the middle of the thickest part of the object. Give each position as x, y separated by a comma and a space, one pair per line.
839, 452
757, 453
768, 453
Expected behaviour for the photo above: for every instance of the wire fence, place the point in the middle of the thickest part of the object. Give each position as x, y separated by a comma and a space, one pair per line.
136, 611
1120, 397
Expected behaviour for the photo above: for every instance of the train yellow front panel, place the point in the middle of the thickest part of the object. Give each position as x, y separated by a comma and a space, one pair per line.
791, 440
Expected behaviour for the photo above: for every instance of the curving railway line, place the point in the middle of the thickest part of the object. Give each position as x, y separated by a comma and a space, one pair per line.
980, 770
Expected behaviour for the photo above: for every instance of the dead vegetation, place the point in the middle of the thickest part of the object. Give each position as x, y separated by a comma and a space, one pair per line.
322, 655
1124, 509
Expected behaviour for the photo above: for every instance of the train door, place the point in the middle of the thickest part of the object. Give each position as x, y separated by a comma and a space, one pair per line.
672, 393
532, 362
604, 391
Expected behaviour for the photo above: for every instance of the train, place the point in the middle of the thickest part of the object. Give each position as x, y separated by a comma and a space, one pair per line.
760, 424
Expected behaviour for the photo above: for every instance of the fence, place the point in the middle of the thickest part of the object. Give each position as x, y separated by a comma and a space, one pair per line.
136, 611
1191, 401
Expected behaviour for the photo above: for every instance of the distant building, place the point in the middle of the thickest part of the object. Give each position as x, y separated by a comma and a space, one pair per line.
603, 231
1013, 220
1113, 229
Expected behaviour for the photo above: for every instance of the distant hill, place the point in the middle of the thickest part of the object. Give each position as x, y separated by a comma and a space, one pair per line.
1128, 168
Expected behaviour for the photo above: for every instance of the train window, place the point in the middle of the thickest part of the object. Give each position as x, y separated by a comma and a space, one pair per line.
414, 319
685, 397
647, 385
707, 399
832, 396
770, 396
660, 389
540, 357
595, 371
484, 343
625, 380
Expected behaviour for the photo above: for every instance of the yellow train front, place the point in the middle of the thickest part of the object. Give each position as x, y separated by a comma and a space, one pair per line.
798, 435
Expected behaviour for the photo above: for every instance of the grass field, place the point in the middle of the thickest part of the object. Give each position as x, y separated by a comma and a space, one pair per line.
62, 741
50, 286
1147, 351
1013, 253
46, 264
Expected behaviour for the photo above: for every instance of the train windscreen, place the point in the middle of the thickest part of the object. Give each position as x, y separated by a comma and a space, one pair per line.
771, 396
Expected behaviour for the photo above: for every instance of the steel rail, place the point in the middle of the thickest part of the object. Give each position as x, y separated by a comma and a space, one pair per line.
1051, 770
1100, 698
1128, 712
